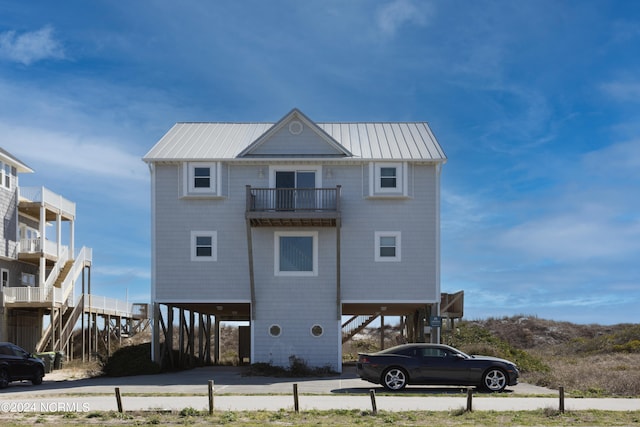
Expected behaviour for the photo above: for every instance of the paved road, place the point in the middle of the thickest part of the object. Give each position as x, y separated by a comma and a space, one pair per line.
176, 391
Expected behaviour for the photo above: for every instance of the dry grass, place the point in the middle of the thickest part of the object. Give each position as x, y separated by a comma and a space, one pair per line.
587, 360
614, 374
192, 417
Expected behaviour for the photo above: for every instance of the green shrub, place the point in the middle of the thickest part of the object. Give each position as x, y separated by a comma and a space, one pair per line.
474, 339
132, 360
632, 346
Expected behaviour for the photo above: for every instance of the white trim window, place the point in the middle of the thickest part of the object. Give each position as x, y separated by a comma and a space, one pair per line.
388, 246
204, 246
296, 253
201, 178
388, 179
5, 175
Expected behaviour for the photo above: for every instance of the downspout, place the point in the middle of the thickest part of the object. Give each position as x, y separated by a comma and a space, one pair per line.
252, 285
155, 307
438, 171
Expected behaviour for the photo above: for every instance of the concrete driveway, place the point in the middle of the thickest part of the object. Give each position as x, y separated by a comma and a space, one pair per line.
230, 380
233, 391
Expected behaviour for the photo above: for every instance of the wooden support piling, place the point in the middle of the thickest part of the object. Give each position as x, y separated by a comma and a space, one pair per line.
374, 406
118, 400
210, 397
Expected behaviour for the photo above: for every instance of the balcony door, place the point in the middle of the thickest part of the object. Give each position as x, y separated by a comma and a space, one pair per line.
295, 190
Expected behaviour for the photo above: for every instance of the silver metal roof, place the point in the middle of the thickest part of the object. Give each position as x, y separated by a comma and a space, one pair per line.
9, 158
412, 141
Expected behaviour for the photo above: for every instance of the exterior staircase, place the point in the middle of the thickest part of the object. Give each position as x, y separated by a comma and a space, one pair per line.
355, 324
62, 275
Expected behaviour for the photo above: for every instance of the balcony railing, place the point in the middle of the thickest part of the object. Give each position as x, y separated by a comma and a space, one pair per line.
293, 206
35, 246
44, 195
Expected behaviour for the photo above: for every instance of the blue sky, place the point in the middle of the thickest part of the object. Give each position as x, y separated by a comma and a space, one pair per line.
536, 104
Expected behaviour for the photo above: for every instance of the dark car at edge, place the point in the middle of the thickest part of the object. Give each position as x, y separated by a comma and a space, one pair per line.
16, 364
435, 364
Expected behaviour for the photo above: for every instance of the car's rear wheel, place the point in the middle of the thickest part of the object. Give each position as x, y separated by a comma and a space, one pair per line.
394, 379
494, 380
37, 378
4, 378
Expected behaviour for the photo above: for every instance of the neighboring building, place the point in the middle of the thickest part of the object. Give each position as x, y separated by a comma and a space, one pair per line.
293, 225
37, 260
44, 279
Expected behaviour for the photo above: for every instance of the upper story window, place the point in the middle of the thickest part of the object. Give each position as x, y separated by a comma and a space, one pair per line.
388, 179
201, 179
387, 247
296, 253
204, 246
4, 273
5, 175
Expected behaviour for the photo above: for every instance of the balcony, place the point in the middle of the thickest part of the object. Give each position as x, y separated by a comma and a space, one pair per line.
293, 207
32, 198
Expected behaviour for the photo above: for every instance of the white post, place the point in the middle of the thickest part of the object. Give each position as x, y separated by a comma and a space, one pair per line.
58, 235
72, 248
43, 238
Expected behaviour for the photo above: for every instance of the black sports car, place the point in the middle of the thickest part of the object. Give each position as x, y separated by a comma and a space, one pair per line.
435, 364
17, 364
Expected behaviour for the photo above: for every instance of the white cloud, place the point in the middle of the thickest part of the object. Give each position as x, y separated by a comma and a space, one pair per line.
123, 271
616, 159
72, 153
399, 13
623, 91
30, 47
579, 236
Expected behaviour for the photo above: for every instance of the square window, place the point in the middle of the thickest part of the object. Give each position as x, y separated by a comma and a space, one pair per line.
388, 179
387, 246
200, 179
296, 254
204, 246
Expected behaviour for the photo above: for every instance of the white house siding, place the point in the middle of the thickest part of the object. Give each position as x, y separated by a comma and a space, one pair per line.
178, 279
285, 143
414, 277
8, 208
296, 304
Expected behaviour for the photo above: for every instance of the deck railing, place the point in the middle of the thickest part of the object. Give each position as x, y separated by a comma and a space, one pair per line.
37, 245
44, 195
293, 199
112, 306
28, 294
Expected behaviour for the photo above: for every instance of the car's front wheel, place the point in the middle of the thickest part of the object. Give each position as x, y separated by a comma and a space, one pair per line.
37, 377
394, 379
494, 380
